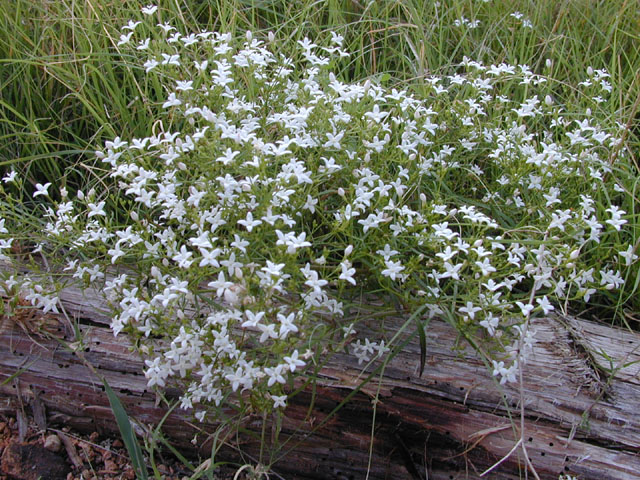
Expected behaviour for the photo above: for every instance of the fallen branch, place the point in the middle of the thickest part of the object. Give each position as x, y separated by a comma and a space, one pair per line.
580, 390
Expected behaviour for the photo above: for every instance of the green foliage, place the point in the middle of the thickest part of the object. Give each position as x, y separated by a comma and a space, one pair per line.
127, 433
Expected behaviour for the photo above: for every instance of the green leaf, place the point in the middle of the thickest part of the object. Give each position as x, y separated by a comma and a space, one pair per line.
127, 433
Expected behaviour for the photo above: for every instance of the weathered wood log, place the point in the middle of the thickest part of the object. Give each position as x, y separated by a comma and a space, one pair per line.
581, 394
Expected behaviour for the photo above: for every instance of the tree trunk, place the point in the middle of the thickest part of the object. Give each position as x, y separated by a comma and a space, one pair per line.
580, 391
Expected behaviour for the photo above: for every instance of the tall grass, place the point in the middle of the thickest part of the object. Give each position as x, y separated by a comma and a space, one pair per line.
63, 85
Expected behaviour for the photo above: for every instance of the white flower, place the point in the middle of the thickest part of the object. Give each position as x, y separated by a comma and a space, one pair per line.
628, 255
150, 64
131, 25
10, 177
143, 44
616, 221
294, 362
452, 271
376, 115
96, 209
387, 252
149, 9
393, 269
227, 157
183, 258
220, 285
172, 101
279, 401
526, 308
313, 280
249, 223
124, 38
42, 189
485, 267
156, 372
507, 374
201, 66
170, 59
268, 331
291, 241
469, 310
273, 269
253, 319
236, 378
286, 325
275, 375
545, 305
347, 272
490, 323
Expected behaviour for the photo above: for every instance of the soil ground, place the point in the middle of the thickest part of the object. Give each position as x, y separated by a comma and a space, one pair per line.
28, 452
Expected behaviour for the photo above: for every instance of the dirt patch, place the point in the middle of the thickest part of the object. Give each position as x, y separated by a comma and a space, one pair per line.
29, 453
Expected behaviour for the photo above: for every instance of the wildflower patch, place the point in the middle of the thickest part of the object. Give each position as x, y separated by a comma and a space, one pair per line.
272, 196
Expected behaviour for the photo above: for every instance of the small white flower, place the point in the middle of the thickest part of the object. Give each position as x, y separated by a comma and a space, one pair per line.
184, 85
201, 66
124, 38
616, 220
279, 401
393, 269
170, 59
294, 362
172, 101
347, 272
490, 323
149, 9
144, 44
526, 308
628, 255
545, 305
10, 177
268, 331
131, 25
150, 65
469, 310
42, 189
96, 209
166, 28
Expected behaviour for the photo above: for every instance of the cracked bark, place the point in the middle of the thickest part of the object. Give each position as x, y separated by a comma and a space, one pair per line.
581, 399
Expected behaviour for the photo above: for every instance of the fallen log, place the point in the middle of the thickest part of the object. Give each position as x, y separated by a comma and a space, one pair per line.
580, 395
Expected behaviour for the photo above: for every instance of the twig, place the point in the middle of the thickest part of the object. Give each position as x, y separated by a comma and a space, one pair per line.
503, 458
71, 450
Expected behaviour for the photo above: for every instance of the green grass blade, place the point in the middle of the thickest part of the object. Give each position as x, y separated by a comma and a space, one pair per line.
128, 435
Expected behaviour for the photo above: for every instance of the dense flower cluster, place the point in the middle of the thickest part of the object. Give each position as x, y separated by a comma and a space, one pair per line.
272, 191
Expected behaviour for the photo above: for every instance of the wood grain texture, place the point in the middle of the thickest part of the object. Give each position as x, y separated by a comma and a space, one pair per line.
581, 401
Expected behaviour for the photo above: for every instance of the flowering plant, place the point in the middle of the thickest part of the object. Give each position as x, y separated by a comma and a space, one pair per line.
272, 195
